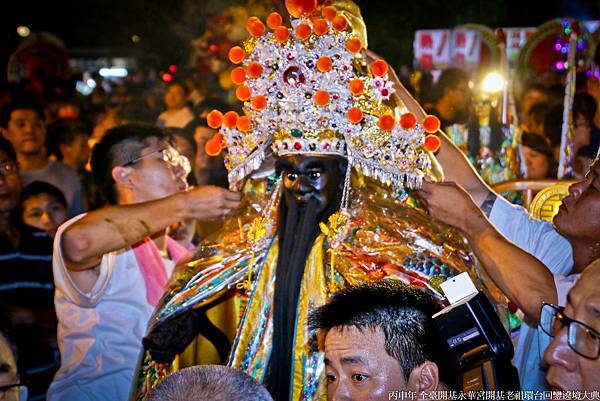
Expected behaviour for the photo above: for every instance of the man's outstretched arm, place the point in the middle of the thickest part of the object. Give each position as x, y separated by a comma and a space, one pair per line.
115, 227
454, 162
521, 277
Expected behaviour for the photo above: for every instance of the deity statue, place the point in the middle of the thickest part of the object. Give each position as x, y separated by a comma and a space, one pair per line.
326, 156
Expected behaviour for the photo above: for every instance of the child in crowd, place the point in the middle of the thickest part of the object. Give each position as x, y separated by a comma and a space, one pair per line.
43, 206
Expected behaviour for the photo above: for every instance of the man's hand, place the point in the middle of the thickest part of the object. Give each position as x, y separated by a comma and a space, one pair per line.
449, 203
209, 203
453, 161
115, 227
520, 276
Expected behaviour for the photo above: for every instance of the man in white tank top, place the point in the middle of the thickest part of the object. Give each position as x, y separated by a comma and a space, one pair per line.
111, 265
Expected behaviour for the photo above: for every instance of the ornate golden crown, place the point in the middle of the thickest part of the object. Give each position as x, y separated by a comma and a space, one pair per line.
306, 90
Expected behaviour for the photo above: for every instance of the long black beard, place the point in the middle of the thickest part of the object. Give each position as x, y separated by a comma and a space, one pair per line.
298, 232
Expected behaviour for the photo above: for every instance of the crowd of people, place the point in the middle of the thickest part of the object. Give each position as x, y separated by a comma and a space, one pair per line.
102, 196
47, 180
540, 120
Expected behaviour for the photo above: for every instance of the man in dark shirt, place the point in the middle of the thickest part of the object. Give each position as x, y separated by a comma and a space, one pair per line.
26, 282
452, 98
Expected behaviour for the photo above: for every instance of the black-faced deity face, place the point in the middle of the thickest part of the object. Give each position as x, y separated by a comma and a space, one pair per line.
318, 178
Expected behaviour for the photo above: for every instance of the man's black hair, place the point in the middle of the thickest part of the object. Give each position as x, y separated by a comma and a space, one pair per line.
6, 147
402, 312
581, 81
178, 82
539, 111
40, 187
19, 105
585, 105
556, 94
450, 78
588, 152
119, 146
62, 133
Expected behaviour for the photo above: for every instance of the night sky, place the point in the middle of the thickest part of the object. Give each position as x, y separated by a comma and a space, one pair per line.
166, 27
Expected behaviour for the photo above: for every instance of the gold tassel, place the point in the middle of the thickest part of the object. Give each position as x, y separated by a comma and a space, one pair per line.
246, 284
255, 233
332, 286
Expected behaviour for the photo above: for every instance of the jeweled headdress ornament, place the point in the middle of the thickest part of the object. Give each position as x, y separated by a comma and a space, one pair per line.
307, 90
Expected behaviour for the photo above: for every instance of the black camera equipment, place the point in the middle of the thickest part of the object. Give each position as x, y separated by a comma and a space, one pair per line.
479, 344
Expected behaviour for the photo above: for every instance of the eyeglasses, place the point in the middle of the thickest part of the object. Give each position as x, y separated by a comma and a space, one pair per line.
9, 168
169, 155
582, 339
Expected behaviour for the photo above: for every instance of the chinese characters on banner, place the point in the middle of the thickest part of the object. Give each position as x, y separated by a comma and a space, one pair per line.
461, 48
515, 40
432, 49
465, 48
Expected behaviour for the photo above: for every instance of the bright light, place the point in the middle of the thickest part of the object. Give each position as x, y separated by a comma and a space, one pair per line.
113, 72
23, 31
82, 88
86, 86
167, 77
493, 82
136, 38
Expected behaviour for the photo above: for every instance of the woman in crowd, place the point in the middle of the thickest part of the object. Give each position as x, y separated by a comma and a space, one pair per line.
537, 153
586, 136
